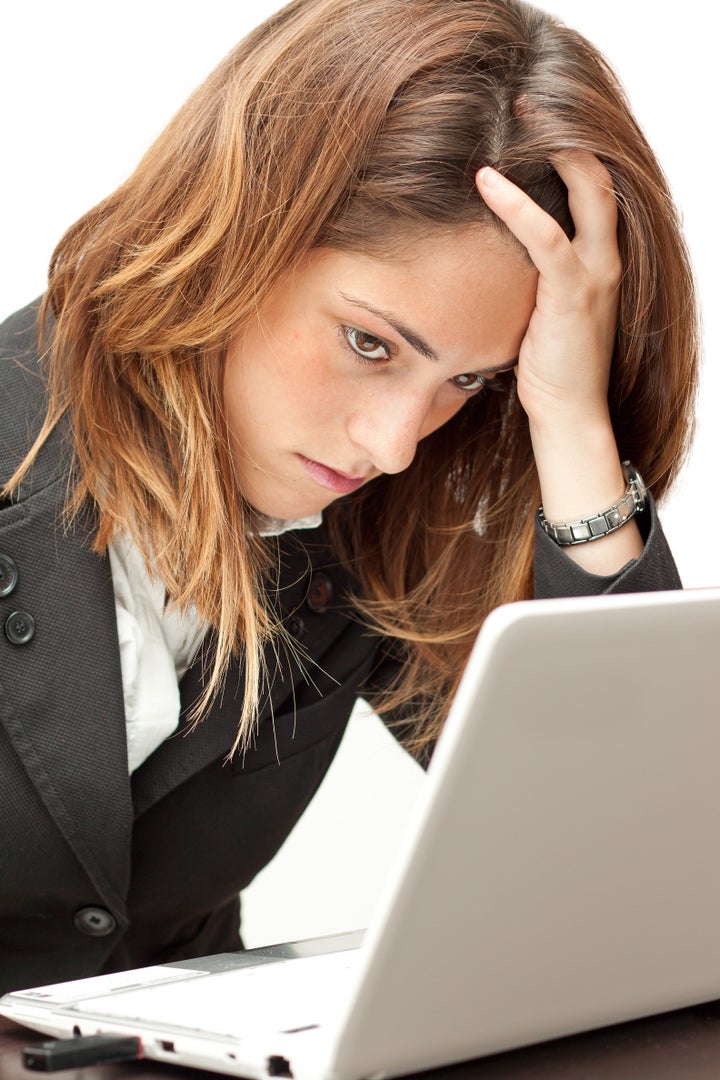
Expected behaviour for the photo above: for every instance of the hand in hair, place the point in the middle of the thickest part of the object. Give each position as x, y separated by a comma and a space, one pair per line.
564, 361
565, 357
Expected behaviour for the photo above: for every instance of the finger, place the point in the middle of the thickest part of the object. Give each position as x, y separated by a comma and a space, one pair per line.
591, 198
538, 232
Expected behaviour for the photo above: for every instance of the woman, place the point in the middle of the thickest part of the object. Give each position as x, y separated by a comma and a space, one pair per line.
255, 463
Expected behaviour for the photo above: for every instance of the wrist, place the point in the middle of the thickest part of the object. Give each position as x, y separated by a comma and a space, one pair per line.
578, 467
580, 476
601, 524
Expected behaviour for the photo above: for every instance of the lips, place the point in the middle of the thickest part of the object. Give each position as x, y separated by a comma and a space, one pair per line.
332, 479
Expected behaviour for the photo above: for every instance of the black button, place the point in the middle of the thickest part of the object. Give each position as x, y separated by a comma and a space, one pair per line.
8, 575
320, 593
95, 921
296, 626
19, 628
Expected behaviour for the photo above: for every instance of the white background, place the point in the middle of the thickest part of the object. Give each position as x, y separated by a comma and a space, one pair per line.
85, 87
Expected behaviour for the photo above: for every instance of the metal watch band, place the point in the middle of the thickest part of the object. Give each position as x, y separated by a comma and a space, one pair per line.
633, 501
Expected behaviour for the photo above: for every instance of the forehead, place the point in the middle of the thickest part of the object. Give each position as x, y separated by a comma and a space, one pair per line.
468, 292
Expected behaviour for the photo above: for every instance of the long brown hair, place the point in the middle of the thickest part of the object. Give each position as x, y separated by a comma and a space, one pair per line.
357, 124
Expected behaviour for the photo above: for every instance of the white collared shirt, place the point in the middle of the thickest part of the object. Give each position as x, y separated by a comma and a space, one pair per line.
158, 643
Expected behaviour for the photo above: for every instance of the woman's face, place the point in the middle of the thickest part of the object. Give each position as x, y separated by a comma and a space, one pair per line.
353, 360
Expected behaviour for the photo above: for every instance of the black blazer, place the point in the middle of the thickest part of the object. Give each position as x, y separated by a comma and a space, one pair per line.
99, 871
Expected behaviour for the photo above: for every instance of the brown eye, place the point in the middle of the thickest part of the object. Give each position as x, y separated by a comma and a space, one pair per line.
470, 381
366, 346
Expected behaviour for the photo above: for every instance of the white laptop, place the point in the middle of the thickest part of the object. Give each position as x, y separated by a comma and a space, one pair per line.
561, 872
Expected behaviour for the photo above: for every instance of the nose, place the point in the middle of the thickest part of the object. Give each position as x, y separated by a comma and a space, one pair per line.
388, 426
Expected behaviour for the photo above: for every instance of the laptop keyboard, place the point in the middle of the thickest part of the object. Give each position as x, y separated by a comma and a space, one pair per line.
285, 996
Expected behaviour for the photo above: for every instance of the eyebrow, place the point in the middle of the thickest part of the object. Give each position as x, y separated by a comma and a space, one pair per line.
414, 340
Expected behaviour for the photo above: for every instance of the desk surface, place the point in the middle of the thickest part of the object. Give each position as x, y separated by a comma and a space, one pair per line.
683, 1044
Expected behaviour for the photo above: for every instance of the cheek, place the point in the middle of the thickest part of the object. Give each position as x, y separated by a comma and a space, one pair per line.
236, 391
252, 403
285, 386
447, 405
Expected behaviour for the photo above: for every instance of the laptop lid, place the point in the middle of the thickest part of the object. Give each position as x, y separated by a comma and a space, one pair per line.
561, 872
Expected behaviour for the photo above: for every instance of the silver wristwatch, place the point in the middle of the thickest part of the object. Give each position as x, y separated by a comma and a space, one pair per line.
633, 501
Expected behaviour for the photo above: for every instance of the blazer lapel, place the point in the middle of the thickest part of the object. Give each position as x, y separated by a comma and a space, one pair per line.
191, 749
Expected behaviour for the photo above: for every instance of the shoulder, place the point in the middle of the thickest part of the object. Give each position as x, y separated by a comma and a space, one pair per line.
20, 368
23, 392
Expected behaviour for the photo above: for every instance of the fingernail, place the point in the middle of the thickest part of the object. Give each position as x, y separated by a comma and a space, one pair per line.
489, 177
